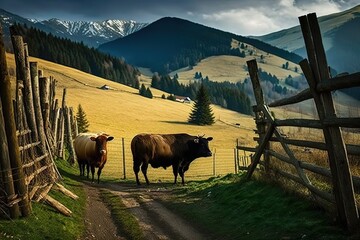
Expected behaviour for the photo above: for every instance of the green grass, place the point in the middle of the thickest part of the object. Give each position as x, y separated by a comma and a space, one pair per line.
45, 222
232, 208
124, 220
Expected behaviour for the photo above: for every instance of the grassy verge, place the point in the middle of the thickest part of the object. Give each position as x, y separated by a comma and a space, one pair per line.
231, 208
125, 221
45, 222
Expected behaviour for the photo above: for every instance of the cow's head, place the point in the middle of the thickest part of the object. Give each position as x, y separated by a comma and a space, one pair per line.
200, 146
101, 141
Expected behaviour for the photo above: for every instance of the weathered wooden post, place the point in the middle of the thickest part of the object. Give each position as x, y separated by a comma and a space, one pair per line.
69, 138
62, 126
261, 124
10, 128
44, 86
55, 129
5, 166
123, 150
28, 97
316, 71
73, 122
37, 105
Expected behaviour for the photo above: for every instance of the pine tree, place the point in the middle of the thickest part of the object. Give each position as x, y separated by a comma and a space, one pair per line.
202, 113
82, 122
148, 93
142, 90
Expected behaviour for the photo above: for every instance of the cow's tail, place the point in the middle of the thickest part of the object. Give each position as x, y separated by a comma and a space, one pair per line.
135, 144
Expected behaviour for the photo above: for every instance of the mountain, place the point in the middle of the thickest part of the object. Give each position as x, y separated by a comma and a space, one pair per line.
341, 37
90, 33
172, 43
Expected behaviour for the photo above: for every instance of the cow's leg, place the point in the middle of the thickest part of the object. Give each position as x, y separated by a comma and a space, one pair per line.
136, 168
87, 169
80, 168
182, 170
92, 172
99, 172
175, 171
144, 168
82, 171
181, 173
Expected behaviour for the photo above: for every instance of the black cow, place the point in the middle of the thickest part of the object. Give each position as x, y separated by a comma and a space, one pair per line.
164, 150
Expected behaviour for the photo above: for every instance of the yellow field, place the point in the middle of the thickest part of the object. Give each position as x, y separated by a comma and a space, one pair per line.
123, 113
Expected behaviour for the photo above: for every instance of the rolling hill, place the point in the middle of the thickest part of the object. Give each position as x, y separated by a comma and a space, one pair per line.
172, 43
340, 37
124, 113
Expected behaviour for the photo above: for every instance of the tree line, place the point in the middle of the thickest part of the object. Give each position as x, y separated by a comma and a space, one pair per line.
225, 94
77, 55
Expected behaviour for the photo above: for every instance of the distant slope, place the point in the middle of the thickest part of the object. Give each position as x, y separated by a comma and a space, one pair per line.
172, 43
340, 33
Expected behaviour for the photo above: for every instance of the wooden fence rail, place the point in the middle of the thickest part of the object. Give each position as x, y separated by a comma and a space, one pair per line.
316, 71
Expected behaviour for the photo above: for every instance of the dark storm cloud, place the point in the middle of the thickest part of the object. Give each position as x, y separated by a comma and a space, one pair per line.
238, 16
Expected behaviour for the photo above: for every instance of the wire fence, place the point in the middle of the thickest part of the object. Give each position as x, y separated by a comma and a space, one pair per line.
222, 162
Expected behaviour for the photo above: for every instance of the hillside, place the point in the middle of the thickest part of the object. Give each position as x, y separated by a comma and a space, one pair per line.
123, 113
172, 43
339, 36
234, 69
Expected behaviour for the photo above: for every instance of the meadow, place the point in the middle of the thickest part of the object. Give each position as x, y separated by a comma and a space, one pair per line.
123, 113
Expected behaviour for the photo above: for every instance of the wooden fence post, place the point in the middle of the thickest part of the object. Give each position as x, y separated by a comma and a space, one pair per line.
9, 124
44, 88
123, 150
259, 115
5, 166
28, 97
338, 159
235, 162
69, 138
74, 122
37, 106
214, 162
62, 126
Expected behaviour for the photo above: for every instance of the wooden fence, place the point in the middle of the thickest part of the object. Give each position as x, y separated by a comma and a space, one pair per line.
343, 184
32, 127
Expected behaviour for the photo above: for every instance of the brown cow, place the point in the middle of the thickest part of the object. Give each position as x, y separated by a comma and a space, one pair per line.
164, 150
90, 149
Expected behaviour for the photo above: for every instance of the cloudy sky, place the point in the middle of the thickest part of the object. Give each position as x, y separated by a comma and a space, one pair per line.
244, 17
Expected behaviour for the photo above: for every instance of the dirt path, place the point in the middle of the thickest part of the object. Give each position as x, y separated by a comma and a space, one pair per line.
156, 221
98, 222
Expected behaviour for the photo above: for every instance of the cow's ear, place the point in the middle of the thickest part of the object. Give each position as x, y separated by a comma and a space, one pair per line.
209, 138
93, 138
109, 138
196, 140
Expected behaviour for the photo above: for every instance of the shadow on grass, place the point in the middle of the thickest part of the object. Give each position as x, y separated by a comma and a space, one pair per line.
177, 122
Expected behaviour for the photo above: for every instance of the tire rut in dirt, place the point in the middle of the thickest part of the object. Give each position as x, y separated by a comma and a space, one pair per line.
98, 221
156, 221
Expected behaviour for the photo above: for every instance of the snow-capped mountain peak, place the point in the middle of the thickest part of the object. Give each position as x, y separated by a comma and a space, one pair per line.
92, 33
107, 30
